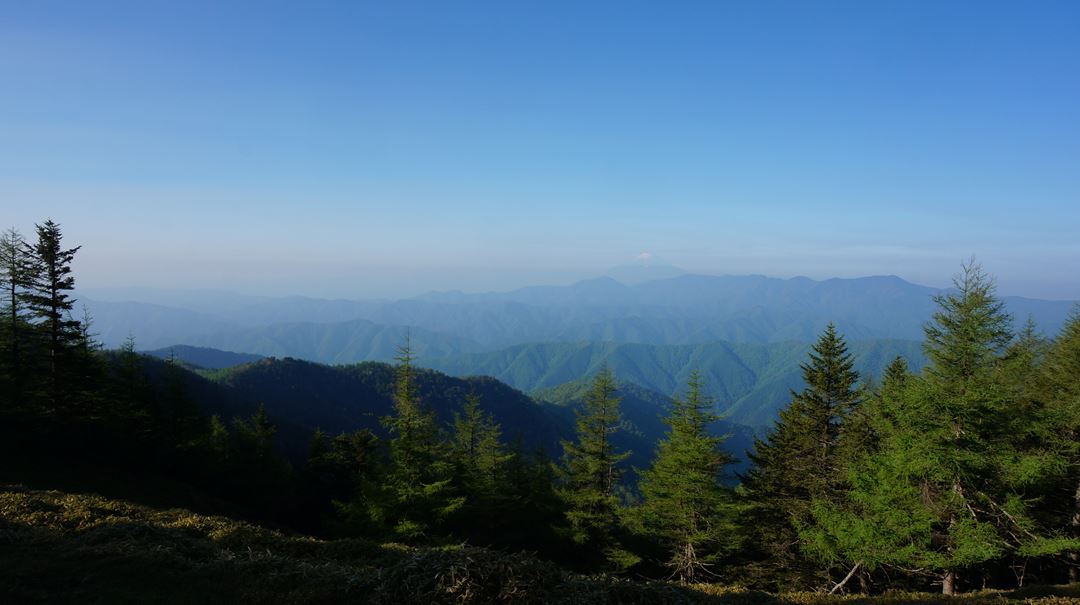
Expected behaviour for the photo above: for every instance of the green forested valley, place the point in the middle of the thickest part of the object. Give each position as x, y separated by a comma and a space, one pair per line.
868, 470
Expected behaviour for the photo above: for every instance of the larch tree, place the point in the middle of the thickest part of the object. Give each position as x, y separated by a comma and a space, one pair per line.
949, 487
591, 471
1061, 372
477, 450
418, 487
684, 506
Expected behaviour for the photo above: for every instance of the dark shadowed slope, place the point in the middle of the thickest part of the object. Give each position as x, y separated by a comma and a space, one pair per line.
203, 357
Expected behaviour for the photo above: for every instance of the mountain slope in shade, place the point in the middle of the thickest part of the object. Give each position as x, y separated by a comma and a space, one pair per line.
749, 381
204, 357
346, 398
333, 343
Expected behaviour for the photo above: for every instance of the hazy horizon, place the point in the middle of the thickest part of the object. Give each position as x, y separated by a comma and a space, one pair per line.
388, 286
385, 150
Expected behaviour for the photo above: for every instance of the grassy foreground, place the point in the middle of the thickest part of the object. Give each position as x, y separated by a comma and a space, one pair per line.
66, 548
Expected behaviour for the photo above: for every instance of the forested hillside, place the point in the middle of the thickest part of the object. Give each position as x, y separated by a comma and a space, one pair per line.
203, 357
750, 382
960, 475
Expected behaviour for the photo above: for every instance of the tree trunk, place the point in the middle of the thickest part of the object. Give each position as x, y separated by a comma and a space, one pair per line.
948, 583
15, 359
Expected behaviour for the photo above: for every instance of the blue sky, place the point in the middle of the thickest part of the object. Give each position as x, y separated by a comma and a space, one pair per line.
382, 149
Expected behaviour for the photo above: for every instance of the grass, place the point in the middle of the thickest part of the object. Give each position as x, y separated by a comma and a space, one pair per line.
57, 547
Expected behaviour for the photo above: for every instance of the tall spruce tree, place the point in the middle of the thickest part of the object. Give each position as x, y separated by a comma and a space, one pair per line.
48, 300
684, 506
800, 460
590, 474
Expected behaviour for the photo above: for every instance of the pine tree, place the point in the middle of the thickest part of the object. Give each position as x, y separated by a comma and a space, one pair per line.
591, 471
48, 284
802, 460
684, 505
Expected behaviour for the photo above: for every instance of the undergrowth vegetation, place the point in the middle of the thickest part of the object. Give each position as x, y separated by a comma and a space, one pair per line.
72, 548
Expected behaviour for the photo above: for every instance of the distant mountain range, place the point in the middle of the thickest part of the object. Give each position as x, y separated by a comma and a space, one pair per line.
684, 309
748, 334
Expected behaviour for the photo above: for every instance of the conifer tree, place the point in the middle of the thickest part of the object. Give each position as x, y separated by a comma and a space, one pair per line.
684, 505
419, 482
48, 301
591, 472
801, 459
949, 487
178, 414
217, 441
14, 273
896, 373
528, 512
477, 451
131, 393
1061, 379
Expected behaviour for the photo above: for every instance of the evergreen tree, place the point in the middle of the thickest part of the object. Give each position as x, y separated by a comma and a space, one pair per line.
1061, 380
684, 505
131, 393
217, 440
896, 374
178, 415
526, 512
949, 487
590, 474
49, 303
15, 271
801, 459
477, 452
418, 487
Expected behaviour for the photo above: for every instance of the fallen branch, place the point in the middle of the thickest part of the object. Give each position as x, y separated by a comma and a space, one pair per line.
846, 578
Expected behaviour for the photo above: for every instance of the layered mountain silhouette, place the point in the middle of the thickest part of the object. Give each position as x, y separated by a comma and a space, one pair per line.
747, 334
677, 310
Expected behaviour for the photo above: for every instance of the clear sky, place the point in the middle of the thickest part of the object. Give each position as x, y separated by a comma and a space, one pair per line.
386, 148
